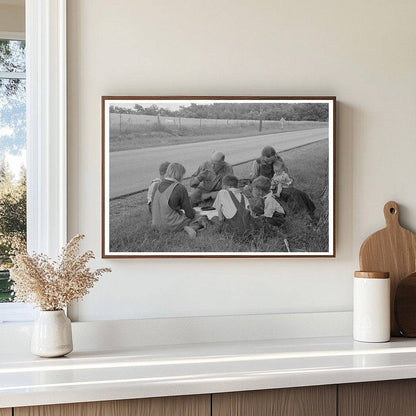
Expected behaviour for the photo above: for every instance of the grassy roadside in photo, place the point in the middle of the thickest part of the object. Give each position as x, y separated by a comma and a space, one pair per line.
144, 136
130, 222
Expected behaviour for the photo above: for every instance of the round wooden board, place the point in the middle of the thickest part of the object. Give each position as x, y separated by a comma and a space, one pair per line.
405, 306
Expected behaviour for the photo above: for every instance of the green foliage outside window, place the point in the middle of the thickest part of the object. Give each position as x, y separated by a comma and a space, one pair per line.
12, 223
12, 144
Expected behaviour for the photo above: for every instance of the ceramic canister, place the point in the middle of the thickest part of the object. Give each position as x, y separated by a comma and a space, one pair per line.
371, 307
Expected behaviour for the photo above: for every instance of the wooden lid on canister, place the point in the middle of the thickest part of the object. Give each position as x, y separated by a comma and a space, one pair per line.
372, 275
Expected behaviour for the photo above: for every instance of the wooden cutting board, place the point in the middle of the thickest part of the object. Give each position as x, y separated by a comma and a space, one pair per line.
393, 250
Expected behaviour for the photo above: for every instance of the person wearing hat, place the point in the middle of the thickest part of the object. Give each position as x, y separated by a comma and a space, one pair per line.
207, 180
263, 166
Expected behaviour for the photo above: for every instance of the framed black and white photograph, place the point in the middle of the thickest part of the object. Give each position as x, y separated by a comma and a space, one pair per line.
218, 176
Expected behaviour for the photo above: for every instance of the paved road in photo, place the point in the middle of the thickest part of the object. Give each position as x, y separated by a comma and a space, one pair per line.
133, 170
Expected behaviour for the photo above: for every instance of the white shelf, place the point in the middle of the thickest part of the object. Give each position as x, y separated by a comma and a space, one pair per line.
151, 371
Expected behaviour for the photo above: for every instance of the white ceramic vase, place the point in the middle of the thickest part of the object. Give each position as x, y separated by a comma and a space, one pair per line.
52, 334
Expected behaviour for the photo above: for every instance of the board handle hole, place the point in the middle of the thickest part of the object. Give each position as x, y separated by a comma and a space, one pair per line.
392, 211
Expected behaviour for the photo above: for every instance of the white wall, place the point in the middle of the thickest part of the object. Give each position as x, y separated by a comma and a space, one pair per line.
361, 51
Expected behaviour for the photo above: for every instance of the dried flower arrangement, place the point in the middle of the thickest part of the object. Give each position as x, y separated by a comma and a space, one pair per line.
53, 285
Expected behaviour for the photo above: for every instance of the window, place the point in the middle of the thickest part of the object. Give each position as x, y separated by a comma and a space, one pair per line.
12, 153
45, 89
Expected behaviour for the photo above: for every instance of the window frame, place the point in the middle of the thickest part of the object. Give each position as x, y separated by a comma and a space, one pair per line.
12, 35
46, 137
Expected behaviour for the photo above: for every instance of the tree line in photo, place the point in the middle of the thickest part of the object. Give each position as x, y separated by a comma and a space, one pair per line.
219, 199
236, 111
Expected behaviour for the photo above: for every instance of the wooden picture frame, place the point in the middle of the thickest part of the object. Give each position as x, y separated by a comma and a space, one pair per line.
141, 132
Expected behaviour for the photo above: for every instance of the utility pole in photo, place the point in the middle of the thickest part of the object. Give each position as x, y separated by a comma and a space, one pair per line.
261, 118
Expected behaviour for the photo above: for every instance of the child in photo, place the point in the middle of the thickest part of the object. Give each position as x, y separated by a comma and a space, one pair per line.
162, 171
281, 178
171, 206
297, 201
233, 207
264, 204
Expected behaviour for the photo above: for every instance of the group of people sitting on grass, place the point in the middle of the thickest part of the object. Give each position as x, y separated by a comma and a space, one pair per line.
265, 199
